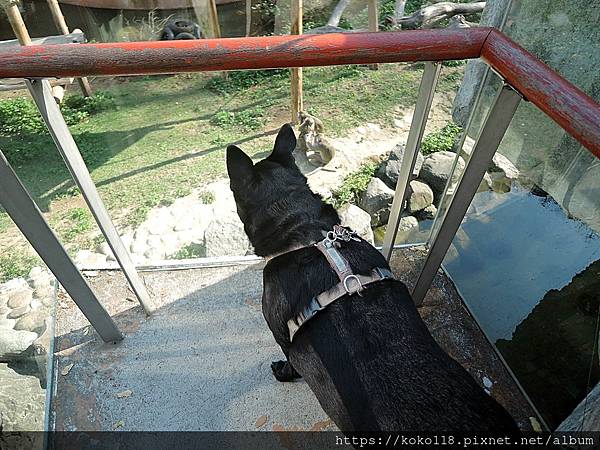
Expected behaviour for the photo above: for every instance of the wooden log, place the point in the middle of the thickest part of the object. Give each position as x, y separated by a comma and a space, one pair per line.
373, 21
61, 24
206, 16
296, 73
336, 14
17, 24
430, 15
248, 17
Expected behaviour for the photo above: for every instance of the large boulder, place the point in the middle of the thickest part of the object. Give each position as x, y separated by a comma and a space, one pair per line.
436, 171
377, 201
388, 171
14, 342
502, 173
359, 220
421, 196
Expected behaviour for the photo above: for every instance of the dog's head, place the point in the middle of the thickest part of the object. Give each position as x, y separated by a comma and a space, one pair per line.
272, 196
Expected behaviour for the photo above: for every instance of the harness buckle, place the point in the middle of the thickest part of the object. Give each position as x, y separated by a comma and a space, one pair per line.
348, 290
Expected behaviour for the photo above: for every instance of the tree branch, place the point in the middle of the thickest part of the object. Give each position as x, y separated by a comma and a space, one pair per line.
336, 15
430, 15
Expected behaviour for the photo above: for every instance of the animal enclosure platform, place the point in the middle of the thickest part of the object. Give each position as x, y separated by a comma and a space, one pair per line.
202, 361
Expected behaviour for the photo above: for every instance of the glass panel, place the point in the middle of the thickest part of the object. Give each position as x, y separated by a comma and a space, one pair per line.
526, 261
27, 311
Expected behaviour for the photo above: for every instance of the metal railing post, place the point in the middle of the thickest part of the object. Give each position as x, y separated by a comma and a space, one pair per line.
494, 127
26, 215
417, 128
42, 95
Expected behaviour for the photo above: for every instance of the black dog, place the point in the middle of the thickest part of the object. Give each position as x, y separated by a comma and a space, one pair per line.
369, 359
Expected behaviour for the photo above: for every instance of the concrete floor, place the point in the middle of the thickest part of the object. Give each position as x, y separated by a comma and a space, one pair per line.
202, 362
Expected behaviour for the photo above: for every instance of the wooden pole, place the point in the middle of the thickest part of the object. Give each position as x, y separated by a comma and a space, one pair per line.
296, 73
373, 21
17, 24
248, 17
206, 15
61, 24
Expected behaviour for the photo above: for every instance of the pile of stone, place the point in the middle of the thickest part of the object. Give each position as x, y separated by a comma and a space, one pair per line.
206, 220
428, 182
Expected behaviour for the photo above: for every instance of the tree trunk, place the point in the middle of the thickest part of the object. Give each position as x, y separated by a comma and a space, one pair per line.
430, 15
336, 15
398, 11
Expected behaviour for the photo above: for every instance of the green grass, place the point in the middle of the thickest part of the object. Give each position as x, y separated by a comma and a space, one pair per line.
16, 263
154, 139
190, 251
442, 140
353, 186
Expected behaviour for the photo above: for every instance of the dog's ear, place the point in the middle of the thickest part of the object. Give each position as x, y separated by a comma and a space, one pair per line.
239, 165
285, 143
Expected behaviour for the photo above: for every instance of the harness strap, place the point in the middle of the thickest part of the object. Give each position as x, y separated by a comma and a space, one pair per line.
350, 285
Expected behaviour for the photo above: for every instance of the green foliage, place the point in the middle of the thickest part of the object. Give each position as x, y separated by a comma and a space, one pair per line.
190, 251
15, 264
79, 221
249, 119
454, 63
207, 197
442, 140
353, 186
20, 117
241, 80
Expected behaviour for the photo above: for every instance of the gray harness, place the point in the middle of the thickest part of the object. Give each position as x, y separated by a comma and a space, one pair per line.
350, 283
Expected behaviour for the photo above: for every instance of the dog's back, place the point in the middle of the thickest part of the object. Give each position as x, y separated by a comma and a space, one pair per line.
370, 360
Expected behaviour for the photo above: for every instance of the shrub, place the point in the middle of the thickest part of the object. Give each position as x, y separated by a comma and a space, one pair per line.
250, 119
353, 186
442, 140
240, 80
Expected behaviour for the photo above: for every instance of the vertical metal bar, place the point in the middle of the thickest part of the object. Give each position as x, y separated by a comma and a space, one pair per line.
40, 91
494, 127
441, 207
26, 215
413, 143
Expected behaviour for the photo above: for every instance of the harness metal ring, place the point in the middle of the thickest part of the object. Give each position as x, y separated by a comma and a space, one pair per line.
354, 277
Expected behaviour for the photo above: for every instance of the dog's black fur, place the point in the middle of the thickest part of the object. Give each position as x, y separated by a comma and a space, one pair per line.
370, 360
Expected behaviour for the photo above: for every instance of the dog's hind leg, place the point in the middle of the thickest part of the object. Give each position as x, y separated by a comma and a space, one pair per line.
284, 371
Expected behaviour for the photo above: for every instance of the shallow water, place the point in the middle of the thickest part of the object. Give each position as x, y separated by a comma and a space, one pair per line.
515, 260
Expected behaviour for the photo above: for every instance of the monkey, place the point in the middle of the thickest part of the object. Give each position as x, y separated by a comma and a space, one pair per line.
311, 138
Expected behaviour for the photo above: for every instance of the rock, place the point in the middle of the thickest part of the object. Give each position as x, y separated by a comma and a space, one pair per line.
87, 259
436, 170
159, 221
225, 236
20, 298
486, 183
15, 342
18, 312
32, 321
377, 200
427, 213
13, 285
104, 249
421, 196
7, 323
407, 223
357, 219
22, 402
36, 272
502, 173
389, 170
373, 127
138, 246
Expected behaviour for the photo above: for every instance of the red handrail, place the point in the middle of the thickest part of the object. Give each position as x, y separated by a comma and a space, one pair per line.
570, 107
